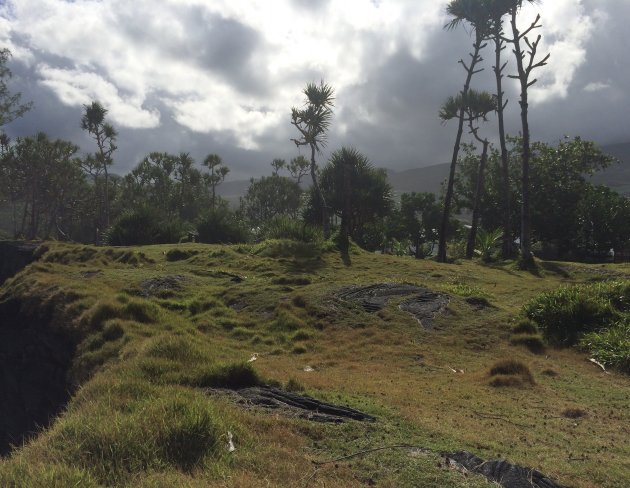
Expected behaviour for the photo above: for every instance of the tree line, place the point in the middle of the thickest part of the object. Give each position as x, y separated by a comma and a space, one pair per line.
50, 191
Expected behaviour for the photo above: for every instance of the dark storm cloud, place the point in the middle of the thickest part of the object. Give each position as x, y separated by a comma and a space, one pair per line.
387, 108
220, 45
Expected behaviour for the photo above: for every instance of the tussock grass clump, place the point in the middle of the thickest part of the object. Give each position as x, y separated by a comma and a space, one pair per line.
533, 342
178, 429
174, 349
177, 254
232, 376
510, 372
574, 413
525, 326
20, 473
286, 321
291, 280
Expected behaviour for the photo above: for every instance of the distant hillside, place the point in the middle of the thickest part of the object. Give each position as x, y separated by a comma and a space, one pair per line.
427, 179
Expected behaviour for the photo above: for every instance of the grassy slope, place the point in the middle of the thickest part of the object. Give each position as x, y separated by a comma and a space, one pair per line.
144, 420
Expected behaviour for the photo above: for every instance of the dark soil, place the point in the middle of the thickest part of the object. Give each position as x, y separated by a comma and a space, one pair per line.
162, 286
423, 303
293, 404
500, 471
14, 256
34, 365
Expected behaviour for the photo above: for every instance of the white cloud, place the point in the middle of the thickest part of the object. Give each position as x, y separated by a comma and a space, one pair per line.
596, 86
75, 87
566, 30
115, 47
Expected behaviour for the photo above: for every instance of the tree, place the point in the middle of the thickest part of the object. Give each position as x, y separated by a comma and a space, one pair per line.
312, 122
525, 67
168, 184
44, 180
560, 176
270, 196
497, 10
298, 168
476, 106
10, 106
218, 172
462, 11
355, 191
419, 221
277, 164
93, 121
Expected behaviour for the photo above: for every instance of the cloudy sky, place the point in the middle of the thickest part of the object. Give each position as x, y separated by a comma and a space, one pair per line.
220, 76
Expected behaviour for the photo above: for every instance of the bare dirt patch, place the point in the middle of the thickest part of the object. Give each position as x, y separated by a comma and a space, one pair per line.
423, 304
161, 286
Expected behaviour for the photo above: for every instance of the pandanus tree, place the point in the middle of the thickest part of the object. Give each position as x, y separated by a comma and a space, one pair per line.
476, 106
104, 134
218, 172
475, 14
312, 122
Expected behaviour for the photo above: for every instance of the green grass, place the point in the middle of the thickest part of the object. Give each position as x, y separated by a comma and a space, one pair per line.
145, 413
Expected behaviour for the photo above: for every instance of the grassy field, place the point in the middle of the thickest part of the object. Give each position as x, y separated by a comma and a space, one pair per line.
158, 328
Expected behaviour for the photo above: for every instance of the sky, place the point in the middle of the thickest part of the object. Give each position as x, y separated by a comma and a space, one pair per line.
221, 76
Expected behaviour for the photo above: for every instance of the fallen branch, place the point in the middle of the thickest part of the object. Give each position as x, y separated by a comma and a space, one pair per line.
498, 417
595, 361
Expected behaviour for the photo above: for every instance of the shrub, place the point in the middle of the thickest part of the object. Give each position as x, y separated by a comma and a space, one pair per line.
611, 346
221, 226
565, 314
143, 226
284, 227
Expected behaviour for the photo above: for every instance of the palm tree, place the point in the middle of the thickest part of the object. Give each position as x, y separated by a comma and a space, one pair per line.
476, 106
475, 13
313, 122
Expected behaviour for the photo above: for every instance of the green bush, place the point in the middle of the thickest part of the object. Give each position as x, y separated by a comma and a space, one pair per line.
610, 346
143, 226
221, 226
284, 227
567, 313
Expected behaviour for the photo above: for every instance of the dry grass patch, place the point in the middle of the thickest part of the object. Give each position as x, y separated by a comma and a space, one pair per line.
510, 372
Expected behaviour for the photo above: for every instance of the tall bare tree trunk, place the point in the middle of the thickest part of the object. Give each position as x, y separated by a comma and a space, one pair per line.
506, 249
446, 212
523, 77
472, 235
320, 195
